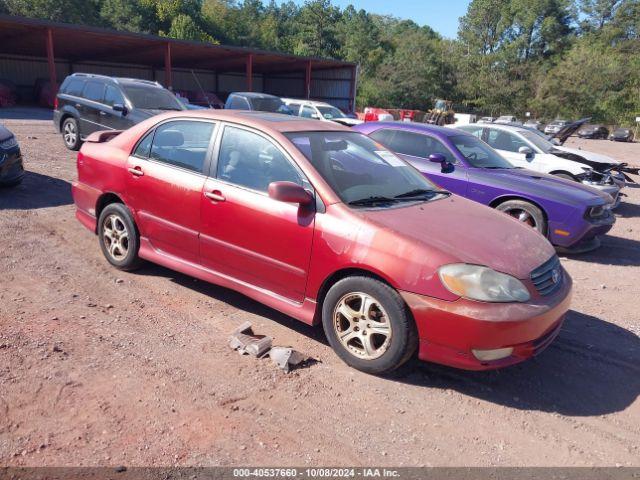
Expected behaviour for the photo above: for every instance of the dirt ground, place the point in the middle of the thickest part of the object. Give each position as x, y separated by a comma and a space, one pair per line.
100, 367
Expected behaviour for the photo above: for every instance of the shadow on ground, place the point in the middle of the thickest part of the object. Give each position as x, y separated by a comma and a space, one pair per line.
613, 251
36, 191
593, 367
26, 113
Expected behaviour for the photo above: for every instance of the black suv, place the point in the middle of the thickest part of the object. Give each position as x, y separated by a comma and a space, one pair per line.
87, 103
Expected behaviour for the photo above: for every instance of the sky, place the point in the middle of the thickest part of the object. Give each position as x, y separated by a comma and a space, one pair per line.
441, 15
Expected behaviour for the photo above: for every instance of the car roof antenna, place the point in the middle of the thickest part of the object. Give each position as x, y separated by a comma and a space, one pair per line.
206, 97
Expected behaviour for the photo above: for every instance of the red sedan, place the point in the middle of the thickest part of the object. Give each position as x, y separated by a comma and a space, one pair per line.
325, 225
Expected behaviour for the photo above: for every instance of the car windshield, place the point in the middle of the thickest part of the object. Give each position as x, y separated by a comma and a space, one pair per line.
478, 153
361, 171
151, 98
538, 139
331, 112
268, 104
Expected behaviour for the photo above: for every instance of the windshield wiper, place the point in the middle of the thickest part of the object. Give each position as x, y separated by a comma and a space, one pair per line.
372, 201
420, 192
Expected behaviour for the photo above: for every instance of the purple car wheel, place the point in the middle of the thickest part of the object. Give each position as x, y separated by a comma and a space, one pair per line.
526, 213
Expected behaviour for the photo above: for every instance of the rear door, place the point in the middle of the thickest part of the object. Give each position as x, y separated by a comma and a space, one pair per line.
93, 94
165, 181
245, 234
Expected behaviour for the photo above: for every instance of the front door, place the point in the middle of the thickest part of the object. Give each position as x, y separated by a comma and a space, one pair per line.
247, 235
165, 181
416, 148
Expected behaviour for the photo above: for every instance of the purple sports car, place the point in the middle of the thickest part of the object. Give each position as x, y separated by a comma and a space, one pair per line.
569, 214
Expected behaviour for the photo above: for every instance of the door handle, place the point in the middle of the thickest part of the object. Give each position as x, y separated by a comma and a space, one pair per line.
216, 196
137, 171
103, 113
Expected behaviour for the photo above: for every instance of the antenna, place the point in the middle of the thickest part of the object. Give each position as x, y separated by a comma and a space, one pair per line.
206, 97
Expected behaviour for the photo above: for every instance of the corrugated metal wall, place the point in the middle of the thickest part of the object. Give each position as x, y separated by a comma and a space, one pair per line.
332, 86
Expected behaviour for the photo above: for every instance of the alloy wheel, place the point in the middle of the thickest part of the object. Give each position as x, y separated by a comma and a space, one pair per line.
523, 216
70, 134
115, 237
362, 325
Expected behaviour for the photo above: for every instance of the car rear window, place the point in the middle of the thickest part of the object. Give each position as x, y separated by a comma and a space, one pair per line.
74, 87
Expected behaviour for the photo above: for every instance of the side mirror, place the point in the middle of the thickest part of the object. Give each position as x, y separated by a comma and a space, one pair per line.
437, 158
446, 167
119, 107
315, 116
526, 151
290, 192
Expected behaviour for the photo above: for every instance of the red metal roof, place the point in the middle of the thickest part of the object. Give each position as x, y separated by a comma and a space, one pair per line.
26, 36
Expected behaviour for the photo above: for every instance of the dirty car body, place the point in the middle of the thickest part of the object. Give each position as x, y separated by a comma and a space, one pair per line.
293, 212
567, 206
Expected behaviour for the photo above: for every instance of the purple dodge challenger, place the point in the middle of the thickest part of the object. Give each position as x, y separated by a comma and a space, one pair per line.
570, 215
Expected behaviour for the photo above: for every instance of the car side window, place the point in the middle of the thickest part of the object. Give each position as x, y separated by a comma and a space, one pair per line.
239, 103
249, 160
308, 112
295, 108
506, 141
475, 131
74, 87
383, 136
113, 96
143, 150
183, 144
94, 91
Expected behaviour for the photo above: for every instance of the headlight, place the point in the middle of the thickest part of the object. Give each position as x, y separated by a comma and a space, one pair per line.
482, 283
9, 143
599, 211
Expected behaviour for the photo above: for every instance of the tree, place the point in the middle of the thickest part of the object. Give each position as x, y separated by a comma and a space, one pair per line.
71, 11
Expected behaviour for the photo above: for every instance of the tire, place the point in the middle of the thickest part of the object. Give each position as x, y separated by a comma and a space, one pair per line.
395, 338
566, 176
119, 238
71, 134
525, 212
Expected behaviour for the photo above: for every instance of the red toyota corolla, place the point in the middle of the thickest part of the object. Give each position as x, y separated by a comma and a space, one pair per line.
326, 225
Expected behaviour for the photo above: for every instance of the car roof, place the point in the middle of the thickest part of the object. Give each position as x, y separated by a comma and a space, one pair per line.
253, 95
265, 121
413, 127
504, 126
315, 103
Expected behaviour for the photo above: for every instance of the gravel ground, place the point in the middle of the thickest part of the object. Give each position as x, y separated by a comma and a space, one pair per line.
99, 367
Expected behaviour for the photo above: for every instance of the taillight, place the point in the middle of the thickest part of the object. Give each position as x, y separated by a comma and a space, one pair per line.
55, 103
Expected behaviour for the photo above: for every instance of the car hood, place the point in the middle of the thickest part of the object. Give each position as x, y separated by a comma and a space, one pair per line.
593, 157
565, 132
467, 232
5, 134
541, 186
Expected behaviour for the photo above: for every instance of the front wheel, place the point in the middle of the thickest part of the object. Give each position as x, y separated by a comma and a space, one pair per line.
368, 325
525, 212
118, 237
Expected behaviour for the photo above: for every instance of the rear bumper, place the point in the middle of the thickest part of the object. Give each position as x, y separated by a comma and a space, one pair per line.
450, 331
85, 199
56, 120
11, 167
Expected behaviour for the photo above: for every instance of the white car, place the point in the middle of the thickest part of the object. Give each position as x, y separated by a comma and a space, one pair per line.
555, 126
505, 119
320, 111
527, 149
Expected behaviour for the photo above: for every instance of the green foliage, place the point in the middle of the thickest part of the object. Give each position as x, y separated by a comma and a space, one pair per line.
568, 58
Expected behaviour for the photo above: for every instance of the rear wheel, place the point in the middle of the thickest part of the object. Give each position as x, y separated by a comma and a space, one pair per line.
71, 133
118, 237
525, 212
368, 325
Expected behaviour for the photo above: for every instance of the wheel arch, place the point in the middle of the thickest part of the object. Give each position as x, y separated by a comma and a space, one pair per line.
497, 201
105, 199
338, 275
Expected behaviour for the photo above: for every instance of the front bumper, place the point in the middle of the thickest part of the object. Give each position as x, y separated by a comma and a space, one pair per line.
611, 189
11, 166
450, 331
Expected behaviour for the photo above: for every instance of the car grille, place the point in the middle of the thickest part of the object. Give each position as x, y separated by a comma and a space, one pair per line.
547, 278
